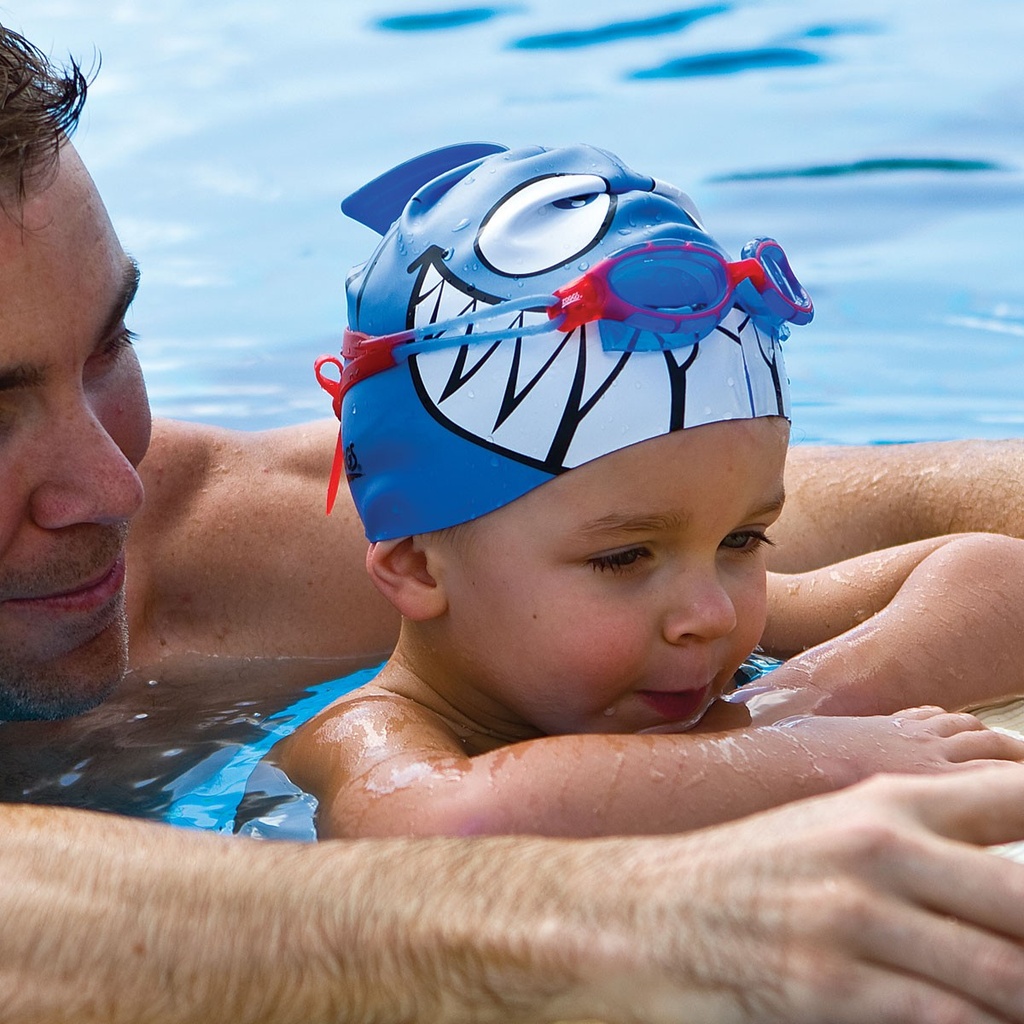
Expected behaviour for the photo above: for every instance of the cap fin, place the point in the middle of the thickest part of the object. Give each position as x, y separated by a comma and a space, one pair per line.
379, 203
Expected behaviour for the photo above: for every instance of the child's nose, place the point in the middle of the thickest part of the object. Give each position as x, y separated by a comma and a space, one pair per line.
700, 609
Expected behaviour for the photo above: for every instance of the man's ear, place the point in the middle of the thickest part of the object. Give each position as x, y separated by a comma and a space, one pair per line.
401, 571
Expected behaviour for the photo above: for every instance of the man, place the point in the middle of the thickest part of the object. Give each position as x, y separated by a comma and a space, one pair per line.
866, 905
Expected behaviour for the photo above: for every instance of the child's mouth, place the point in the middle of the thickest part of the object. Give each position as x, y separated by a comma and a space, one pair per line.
675, 705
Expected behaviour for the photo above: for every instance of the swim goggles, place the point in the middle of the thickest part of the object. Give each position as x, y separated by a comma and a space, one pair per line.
675, 288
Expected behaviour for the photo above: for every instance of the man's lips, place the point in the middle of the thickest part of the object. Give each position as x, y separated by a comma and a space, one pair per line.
89, 596
675, 705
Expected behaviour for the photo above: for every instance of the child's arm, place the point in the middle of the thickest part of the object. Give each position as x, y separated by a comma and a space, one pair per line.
383, 765
935, 622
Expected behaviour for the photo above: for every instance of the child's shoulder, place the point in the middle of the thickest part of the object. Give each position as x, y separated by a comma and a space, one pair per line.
365, 727
362, 708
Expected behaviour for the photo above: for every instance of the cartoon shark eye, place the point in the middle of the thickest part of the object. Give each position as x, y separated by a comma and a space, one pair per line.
545, 223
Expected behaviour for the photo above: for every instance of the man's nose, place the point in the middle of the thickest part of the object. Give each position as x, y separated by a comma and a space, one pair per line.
85, 478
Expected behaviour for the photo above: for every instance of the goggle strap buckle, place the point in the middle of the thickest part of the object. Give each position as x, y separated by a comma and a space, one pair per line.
580, 302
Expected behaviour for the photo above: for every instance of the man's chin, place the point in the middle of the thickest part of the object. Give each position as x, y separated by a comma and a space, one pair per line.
68, 686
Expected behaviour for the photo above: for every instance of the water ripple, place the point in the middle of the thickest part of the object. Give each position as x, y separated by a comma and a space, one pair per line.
882, 165
434, 20
617, 30
860, 28
731, 62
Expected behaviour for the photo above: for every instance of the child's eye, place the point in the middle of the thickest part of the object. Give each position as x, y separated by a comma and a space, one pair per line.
618, 560
746, 541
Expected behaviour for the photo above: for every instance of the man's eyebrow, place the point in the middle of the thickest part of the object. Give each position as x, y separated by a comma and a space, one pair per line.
26, 375
21, 375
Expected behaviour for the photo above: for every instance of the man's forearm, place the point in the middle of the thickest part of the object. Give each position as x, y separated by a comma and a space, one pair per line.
853, 907
112, 920
844, 501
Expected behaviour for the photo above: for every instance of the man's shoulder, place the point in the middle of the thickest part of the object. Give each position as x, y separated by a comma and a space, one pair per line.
179, 454
187, 448
195, 461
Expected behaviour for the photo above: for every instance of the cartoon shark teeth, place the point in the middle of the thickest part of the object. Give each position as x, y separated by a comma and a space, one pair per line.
554, 401
435, 300
439, 297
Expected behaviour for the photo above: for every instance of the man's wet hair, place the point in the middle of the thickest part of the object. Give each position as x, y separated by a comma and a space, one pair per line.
40, 104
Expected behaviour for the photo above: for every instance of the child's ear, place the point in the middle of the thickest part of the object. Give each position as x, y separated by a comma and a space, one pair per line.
401, 572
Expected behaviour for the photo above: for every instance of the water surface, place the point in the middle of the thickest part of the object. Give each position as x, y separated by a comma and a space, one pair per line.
881, 143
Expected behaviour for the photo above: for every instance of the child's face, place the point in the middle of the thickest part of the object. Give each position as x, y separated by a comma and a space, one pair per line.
620, 596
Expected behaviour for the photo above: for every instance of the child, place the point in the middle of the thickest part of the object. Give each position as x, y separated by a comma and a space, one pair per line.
567, 461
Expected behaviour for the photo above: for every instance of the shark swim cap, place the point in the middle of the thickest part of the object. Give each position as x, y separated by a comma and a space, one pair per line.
442, 426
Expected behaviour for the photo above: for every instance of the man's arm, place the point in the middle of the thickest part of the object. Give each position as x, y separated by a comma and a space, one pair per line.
862, 906
233, 554
846, 501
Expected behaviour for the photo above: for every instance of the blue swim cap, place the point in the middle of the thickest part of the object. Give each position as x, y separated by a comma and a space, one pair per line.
451, 434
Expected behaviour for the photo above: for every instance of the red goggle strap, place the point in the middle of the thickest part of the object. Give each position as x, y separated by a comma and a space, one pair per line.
333, 386
365, 356
336, 388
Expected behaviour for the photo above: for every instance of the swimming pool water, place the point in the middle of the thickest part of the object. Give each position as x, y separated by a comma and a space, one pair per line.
882, 144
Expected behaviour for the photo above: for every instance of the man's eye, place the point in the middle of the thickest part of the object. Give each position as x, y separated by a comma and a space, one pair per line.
118, 342
112, 348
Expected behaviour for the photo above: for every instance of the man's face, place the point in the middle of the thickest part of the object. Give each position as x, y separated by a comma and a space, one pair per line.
74, 424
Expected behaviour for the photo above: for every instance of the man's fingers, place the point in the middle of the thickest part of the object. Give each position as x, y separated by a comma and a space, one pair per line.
973, 886
951, 954
983, 806
960, 917
858, 992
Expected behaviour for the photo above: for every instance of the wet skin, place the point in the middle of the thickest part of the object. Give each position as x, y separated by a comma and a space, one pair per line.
74, 424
